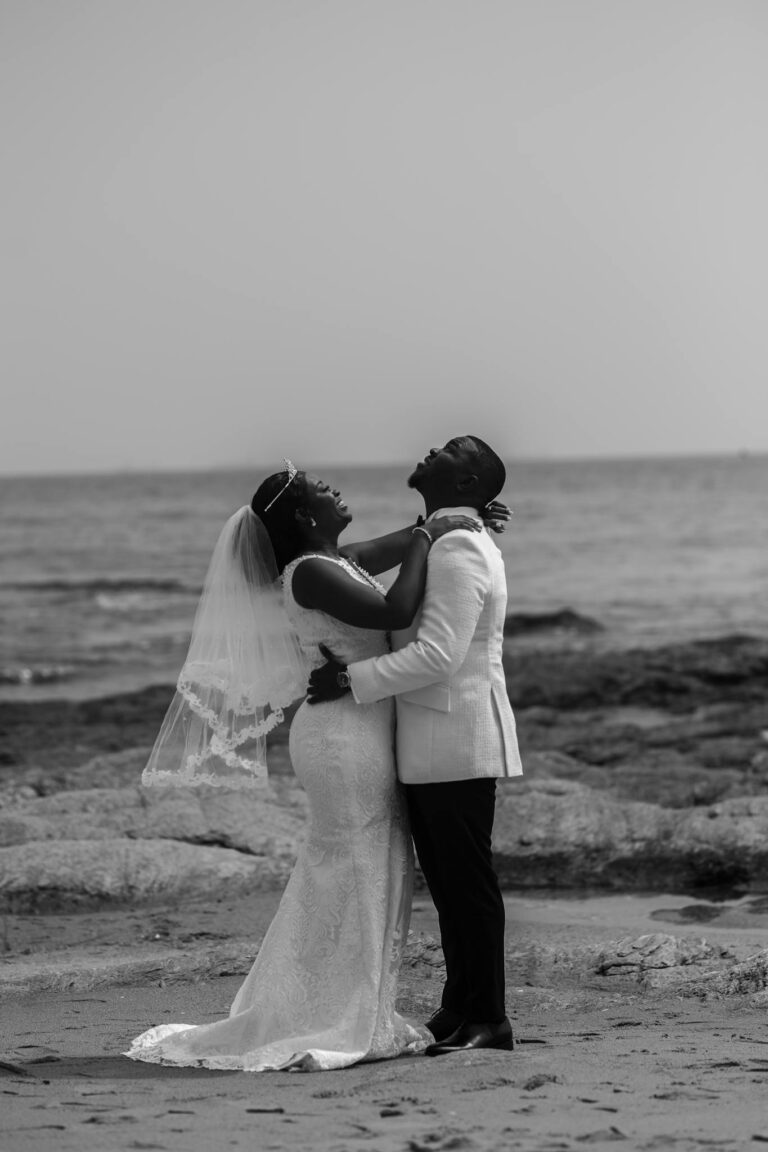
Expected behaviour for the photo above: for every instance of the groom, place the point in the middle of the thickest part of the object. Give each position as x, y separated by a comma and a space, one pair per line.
455, 736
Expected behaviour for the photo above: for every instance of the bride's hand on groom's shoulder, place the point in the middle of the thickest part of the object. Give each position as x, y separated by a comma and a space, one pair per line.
495, 515
442, 524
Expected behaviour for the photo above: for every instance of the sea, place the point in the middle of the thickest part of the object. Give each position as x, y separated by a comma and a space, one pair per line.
100, 574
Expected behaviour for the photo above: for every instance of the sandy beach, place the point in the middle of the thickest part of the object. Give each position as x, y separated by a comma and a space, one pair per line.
599, 1059
634, 860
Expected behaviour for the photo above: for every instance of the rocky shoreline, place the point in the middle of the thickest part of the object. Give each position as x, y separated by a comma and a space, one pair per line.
645, 770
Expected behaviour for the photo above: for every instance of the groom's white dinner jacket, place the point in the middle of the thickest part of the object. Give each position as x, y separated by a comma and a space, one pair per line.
454, 720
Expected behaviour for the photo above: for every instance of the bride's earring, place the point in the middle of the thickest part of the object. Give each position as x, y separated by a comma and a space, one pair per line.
312, 522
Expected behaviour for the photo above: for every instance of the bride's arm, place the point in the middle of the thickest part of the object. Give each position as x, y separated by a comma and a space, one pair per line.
325, 586
385, 552
381, 553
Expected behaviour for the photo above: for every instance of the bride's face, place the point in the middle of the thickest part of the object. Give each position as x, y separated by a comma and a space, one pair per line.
326, 506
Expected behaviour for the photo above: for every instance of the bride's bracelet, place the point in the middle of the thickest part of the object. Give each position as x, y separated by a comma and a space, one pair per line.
428, 535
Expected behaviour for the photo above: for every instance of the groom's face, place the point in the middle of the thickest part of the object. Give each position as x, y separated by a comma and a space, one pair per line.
444, 466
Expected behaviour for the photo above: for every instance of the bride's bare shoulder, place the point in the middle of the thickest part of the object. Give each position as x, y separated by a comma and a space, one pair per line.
310, 573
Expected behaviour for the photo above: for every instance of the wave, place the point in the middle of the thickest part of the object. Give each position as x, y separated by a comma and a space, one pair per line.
42, 674
124, 602
103, 584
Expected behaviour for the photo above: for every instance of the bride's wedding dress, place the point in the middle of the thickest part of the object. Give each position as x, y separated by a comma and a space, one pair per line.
321, 992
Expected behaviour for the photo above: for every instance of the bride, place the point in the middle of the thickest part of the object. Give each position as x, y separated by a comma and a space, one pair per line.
321, 992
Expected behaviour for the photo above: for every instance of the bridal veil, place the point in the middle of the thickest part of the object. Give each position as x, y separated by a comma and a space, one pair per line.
243, 667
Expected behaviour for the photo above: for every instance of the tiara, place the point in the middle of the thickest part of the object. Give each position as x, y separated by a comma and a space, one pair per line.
291, 470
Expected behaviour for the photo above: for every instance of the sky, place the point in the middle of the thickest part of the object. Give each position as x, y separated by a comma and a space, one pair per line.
346, 230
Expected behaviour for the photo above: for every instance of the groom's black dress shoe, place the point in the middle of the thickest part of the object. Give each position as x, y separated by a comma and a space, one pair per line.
468, 1036
444, 1023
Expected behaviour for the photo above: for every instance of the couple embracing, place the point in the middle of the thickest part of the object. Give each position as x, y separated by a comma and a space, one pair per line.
285, 603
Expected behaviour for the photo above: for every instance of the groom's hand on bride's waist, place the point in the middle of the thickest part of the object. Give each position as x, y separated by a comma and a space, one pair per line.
328, 682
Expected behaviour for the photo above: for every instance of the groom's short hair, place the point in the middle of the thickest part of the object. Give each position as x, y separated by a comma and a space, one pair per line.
489, 468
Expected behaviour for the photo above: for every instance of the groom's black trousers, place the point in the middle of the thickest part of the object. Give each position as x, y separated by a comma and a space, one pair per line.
451, 825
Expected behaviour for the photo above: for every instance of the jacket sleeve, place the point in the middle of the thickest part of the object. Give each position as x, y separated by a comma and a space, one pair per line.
457, 582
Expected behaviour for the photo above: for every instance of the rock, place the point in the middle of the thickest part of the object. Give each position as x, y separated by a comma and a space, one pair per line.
654, 960
559, 834
48, 738
539, 1079
562, 620
73, 874
17, 795
679, 677
641, 959
551, 764
538, 963
653, 950
75, 971
422, 953
602, 1136
549, 832
117, 770
261, 823
642, 754
108, 770
747, 978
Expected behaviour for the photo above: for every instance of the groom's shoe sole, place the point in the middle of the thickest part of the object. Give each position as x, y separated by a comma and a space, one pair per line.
468, 1037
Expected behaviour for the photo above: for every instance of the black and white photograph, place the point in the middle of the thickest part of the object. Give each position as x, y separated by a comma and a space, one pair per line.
383, 575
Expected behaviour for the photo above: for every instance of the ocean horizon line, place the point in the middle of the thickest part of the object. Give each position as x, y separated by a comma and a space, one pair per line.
371, 466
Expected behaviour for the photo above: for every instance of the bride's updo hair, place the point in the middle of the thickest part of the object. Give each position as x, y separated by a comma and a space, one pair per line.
280, 519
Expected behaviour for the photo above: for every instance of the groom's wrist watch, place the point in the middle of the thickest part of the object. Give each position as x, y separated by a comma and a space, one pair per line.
342, 679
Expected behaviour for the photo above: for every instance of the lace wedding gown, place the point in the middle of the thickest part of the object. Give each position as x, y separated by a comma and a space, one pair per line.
321, 992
